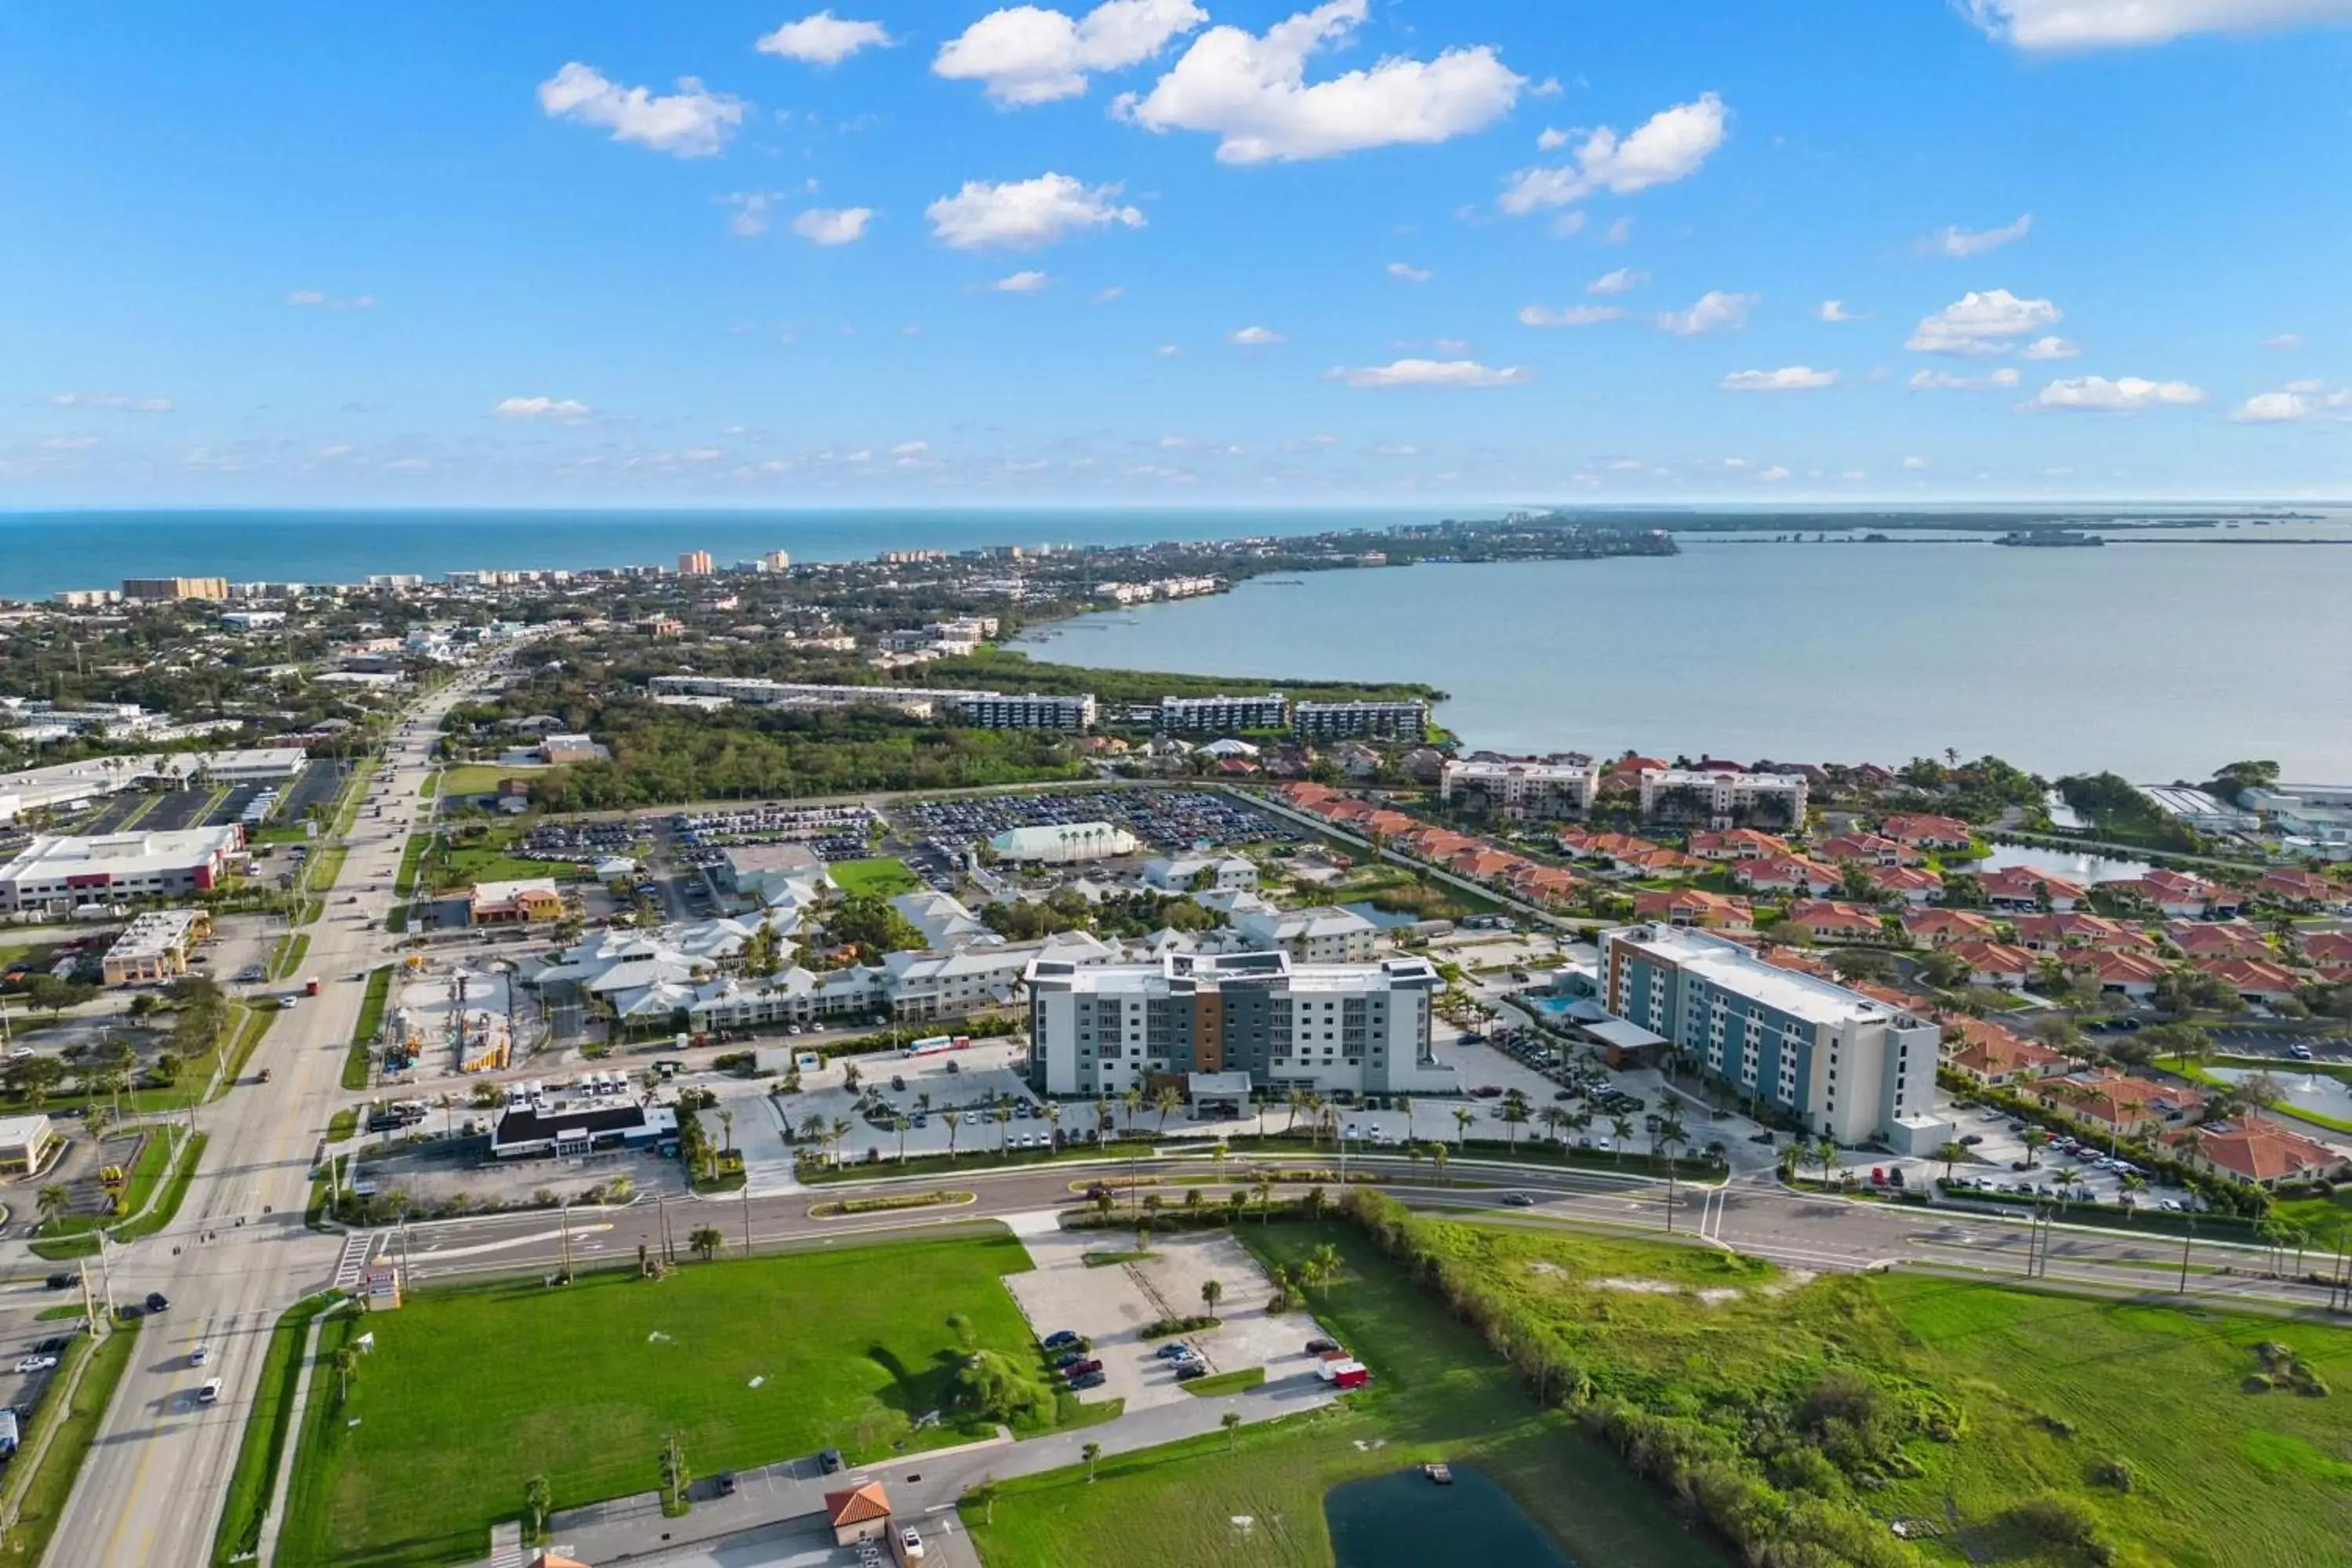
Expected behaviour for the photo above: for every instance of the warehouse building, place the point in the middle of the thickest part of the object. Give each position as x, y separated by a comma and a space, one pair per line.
54, 873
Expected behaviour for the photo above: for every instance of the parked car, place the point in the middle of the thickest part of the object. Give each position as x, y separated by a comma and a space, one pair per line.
1068, 1360
829, 1461
1186, 1371
1086, 1380
725, 1480
1082, 1366
1060, 1339
1321, 1346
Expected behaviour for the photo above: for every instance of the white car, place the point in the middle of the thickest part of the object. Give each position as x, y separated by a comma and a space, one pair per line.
201, 1355
36, 1364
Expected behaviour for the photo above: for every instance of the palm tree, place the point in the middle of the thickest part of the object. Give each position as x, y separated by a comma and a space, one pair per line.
2034, 1138
1669, 1137
727, 1132
538, 1500
1515, 1116
850, 1077
1404, 1103
706, 1241
1323, 1265
1001, 1112
899, 1124
1952, 1153
346, 1362
1825, 1153
1102, 1117
1090, 1453
1263, 1188
1554, 1120
1437, 1157
955, 1123
2066, 1182
1168, 1099
1463, 1117
841, 1125
54, 1200
2133, 1185
1053, 1114
1211, 1292
1295, 1098
812, 1127
1621, 1132
1232, 1422
1133, 1100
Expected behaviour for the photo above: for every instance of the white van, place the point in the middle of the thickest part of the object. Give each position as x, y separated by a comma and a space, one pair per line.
210, 1393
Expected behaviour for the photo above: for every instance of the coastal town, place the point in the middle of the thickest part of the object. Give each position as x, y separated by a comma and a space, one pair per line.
688, 898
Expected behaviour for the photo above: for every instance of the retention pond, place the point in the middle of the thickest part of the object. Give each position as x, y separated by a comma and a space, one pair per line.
1406, 1520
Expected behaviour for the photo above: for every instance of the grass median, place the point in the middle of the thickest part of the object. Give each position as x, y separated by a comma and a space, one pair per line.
371, 1023
470, 1393
292, 949
254, 1480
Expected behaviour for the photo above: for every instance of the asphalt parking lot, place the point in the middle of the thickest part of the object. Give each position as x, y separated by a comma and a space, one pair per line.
1164, 820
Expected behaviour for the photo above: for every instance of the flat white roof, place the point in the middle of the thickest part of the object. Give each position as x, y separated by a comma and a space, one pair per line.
120, 854
21, 1132
1734, 968
153, 934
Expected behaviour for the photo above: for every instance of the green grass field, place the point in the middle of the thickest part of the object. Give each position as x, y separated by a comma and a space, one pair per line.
1438, 1394
885, 878
470, 1393
251, 1483
482, 778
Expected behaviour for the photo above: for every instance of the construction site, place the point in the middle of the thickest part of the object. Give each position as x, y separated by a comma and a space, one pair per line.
469, 1017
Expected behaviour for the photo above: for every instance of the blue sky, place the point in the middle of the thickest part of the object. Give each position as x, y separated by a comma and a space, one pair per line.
1174, 251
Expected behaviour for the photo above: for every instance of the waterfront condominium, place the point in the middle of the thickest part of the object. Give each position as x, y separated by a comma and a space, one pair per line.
1529, 789
1723, 798
1355, 1028
1223, 715
1372, 720
1843, 1065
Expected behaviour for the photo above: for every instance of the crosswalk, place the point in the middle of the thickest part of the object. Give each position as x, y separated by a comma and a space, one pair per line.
506, 1545
357, 1245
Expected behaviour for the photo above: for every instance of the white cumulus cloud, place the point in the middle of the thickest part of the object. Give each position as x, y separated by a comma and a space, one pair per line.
1026, 282
1250, 92
2284, 341
824, 39
1789, 378
1668, 146
1405, 272
1713, 310
311, 299
1026, 54
1944, 381
1984, 323
1256, 337
833, 225
1444, 373
692, 122
2097, 394
112, 402
561, 409
1915, 465
1022, 215
2300, 401
1568, 315
2051, 348
1617, 282
1962, 243
2099, 24
1834, 310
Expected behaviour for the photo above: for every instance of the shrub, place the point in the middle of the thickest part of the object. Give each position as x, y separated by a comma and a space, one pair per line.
1168, 1326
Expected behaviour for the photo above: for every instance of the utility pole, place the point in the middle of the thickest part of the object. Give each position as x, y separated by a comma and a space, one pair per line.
563, 1215
747, 1213
107, 1273
2187, 1233
97, 1326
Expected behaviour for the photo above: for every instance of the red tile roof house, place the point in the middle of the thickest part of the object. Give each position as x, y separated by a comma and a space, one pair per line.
1825, 920
2299, 889
2130, 973
1868, 848
1917, 830
1691, 907
1480, 862
1308, 796
1544, 884
2257, 1150
2024, 889
1912, 884
1792, 874
1940, 927
1600, 846
2253, 979
1385, 824
1994, 1056
1737, 844
2075, 929
2174, 893
1996, 962
2117, 1102
1435, 844
1655, 861
2218, 939
2331, 951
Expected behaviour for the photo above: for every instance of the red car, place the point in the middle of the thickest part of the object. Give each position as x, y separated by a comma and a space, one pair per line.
1082, 1368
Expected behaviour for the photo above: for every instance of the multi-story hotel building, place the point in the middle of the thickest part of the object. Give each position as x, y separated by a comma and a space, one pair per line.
1845, 1066
1723, 798
1539, 789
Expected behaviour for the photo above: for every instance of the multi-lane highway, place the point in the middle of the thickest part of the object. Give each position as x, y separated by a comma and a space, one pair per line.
238, 1254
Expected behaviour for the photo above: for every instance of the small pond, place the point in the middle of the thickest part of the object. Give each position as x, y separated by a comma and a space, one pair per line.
1387, 920
2071, 864
1407, 1520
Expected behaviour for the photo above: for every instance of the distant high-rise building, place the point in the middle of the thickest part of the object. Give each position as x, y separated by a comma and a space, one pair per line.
775, 560
694, 564
159, 588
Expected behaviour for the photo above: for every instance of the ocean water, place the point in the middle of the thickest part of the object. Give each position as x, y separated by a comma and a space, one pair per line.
2157, 661
44, 552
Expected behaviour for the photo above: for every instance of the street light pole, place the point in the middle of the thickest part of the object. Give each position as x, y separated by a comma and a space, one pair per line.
2189, 1232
